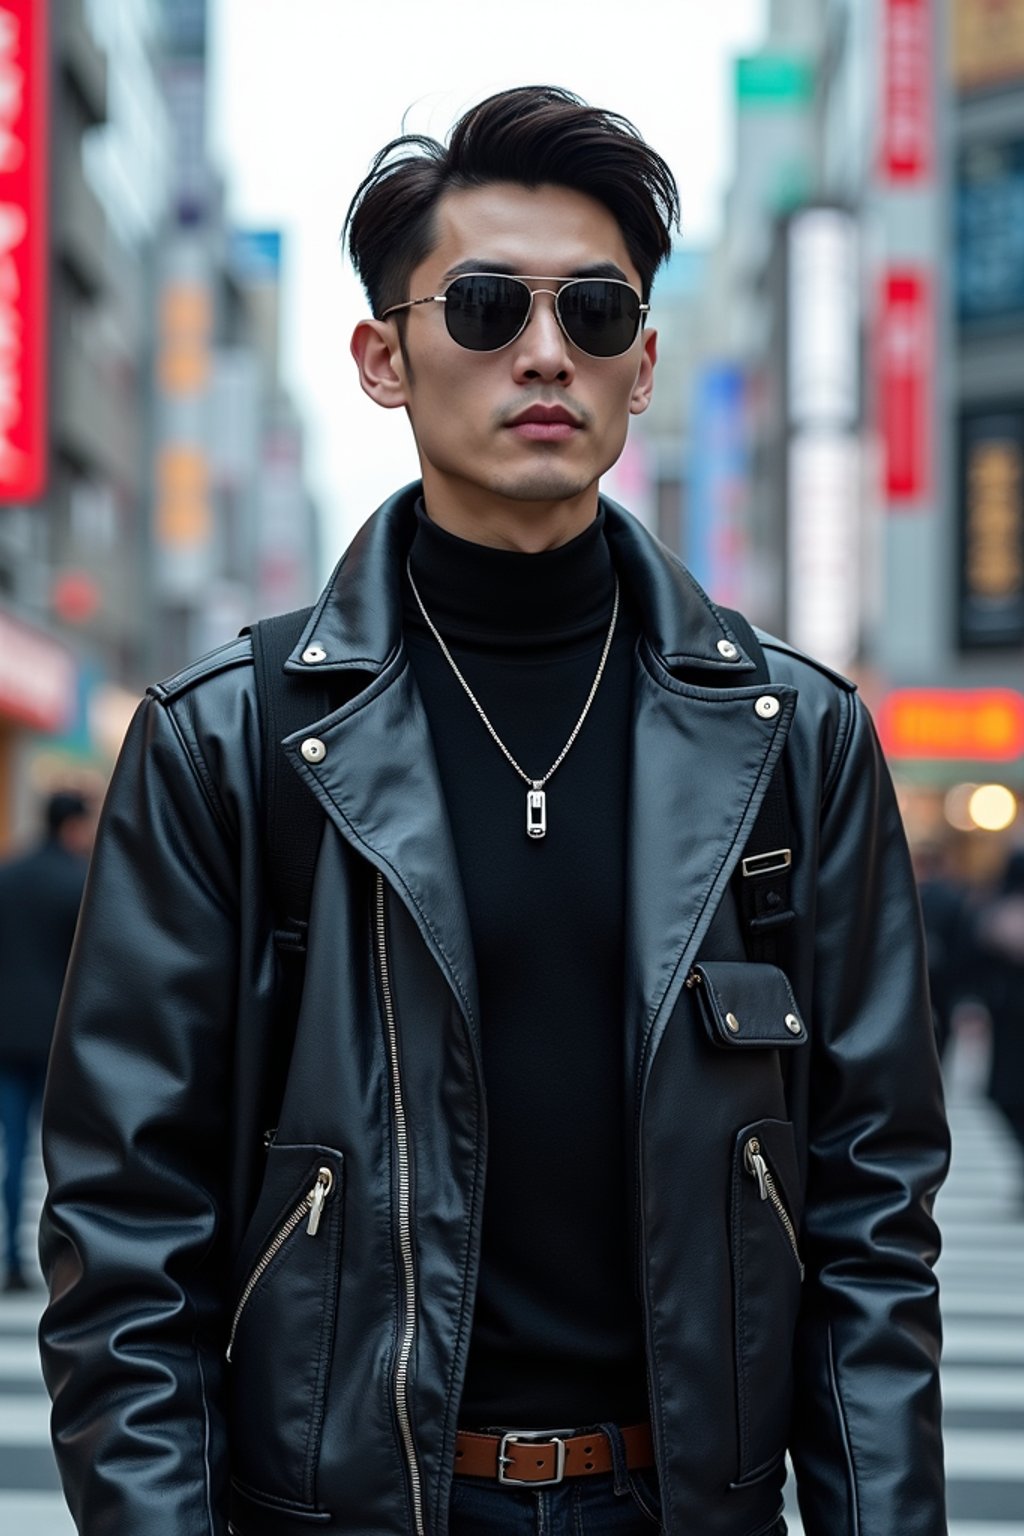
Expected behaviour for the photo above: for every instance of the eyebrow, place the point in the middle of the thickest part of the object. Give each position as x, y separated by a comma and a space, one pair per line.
502, 269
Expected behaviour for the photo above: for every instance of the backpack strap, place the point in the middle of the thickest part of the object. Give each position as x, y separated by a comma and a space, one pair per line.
762, 877
293, 821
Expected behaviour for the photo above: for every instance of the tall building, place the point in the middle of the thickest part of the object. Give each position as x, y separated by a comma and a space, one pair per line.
855, 454
62, 523
234, 530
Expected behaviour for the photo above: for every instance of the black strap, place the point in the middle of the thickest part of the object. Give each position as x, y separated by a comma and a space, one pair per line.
294, 822
763, 875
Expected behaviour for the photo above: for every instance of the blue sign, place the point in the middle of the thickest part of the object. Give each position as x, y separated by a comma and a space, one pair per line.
718, 480
256, 254
990, 234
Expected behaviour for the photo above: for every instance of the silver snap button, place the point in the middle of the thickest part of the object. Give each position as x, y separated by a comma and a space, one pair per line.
767, 706
728, 650
793, 1024
733, 1022
314, 653
313, 750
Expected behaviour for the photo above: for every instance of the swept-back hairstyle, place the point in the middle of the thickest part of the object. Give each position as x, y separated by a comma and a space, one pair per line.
534, 135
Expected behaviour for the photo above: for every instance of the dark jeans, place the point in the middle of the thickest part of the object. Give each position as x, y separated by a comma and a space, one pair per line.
21, 1092
617, 1503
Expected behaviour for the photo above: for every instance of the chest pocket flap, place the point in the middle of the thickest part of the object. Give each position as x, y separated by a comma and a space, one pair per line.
746, 1006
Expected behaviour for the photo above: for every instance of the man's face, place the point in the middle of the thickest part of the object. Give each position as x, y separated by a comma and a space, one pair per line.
467, 408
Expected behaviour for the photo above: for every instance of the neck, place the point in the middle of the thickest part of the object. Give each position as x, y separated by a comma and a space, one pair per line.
499, 522
506, 600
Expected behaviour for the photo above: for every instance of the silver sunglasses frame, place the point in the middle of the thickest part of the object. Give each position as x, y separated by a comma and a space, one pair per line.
529, 277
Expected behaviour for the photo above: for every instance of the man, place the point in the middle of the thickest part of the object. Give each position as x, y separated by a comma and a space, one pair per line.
40, 893
946, 917
556, 1203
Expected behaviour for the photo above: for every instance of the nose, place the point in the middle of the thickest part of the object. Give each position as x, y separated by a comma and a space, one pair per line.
542, 350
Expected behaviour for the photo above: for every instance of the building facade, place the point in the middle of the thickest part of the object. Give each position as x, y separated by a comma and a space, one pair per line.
854, 456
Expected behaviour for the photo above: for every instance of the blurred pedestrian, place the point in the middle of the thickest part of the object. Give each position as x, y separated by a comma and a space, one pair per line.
40, 893
944, 910
999, 937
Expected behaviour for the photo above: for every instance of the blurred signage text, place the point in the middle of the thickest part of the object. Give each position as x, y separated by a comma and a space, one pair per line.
38, 681
987, 43
256, 254
780, 79
715, 542
992, 527
990, 233
904, 383
183, 492
823, 567
983, 724
906, 147
24, 110
822, 318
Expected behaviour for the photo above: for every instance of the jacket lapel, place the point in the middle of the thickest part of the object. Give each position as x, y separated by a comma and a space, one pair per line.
378, 782
702, 759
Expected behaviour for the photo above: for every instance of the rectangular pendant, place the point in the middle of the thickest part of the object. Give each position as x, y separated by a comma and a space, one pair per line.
536, 813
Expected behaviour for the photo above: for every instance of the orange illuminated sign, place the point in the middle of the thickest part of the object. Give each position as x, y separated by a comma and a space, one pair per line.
976, 723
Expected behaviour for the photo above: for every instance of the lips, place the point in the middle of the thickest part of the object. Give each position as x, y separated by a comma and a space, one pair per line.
545, 423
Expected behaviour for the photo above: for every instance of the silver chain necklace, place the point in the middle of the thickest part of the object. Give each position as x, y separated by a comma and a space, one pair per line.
536, 800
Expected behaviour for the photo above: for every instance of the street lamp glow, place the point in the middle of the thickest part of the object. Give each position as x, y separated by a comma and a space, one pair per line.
957, 807
993, 807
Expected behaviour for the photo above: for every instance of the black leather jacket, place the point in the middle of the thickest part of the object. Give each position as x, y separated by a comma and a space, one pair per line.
172, 1226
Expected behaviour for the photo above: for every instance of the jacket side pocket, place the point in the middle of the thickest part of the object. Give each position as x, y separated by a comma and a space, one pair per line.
767, 1271
282, 1327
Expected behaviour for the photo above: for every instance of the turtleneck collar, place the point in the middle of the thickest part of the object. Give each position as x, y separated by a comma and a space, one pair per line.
500, 598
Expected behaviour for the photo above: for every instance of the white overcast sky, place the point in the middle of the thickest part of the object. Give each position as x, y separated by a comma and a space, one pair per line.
303, 92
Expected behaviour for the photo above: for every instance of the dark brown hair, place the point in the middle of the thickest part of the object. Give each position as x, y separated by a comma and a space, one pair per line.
533, 135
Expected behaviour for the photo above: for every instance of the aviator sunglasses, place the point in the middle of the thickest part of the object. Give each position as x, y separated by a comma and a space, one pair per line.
485, 311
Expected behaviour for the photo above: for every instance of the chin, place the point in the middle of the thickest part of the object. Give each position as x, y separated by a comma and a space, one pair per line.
542, 484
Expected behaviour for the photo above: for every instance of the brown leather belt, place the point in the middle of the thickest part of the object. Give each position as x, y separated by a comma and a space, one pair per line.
537, 1457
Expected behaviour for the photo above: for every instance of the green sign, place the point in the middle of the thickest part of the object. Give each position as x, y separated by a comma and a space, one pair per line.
774, 80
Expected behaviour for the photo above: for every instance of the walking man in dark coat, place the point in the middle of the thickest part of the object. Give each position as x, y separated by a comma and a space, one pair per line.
40, 893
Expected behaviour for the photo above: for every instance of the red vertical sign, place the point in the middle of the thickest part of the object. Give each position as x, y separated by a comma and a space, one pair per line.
904, 383
906, 148
24, 107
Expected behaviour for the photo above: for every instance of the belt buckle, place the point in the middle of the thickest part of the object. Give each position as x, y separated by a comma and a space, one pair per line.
532, 1437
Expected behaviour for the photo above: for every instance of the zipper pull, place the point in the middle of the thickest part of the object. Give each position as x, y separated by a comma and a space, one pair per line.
693, 980
316, 1197
756, 1165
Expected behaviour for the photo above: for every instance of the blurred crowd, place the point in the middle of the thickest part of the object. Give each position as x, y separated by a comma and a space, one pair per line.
975, 940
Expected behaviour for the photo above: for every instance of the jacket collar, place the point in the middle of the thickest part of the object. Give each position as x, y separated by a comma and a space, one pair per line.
701, 760
357, 623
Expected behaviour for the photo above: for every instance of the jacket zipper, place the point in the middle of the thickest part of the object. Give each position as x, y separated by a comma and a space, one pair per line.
311, 1207
641, 1258
753, 1160
404, 1223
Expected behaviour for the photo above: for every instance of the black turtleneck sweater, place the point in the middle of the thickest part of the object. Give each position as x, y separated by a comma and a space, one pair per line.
557, 1334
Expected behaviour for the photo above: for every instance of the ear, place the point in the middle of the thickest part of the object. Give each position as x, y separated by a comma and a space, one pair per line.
379, 359
640, 399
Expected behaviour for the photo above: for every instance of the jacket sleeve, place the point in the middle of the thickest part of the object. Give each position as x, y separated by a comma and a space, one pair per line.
133, 1144
866, 1439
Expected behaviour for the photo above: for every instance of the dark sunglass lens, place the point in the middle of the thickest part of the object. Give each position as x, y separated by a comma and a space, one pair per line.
599, 316
484, 312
